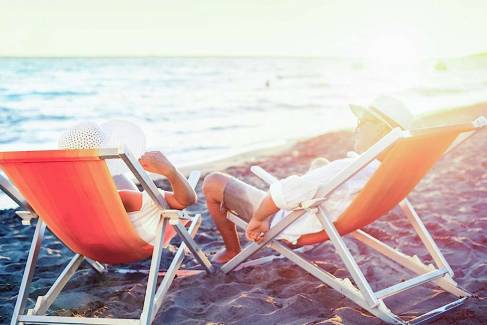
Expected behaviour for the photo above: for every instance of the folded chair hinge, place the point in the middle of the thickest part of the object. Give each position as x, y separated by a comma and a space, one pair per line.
175, 215
171, 214
38, 305
186, 215
26, 217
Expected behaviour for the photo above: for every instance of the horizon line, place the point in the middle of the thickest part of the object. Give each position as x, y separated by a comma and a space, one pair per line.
203, 56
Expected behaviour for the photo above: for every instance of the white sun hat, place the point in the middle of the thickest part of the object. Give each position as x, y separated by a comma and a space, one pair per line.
389, 110
85, 135
114, 133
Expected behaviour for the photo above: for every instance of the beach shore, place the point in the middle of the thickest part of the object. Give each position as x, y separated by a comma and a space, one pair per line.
451, 200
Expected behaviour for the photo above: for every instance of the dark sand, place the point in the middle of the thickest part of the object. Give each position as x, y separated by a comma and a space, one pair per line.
451, 200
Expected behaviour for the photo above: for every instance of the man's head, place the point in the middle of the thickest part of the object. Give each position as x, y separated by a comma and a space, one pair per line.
375, 121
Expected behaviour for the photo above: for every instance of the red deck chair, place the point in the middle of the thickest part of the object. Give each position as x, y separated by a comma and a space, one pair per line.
73, 193
408, 157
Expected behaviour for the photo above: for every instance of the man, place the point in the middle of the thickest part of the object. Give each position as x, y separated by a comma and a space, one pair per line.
264, 209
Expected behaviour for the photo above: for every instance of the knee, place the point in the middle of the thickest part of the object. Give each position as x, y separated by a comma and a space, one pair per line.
214, 184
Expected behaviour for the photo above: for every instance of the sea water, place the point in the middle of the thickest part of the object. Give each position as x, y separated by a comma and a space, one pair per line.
200, 109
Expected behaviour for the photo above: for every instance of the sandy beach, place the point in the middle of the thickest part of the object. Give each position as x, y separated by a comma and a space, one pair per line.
451, 200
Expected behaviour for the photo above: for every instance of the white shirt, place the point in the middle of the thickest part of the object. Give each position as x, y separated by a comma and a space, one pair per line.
146, 220
289, 192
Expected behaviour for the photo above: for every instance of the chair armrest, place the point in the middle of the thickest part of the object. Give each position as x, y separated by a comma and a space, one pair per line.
26, 216
263, 175
194, 178
352, 154
175, 215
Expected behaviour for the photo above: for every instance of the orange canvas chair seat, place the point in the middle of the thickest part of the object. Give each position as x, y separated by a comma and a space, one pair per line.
406, 156
73, 193
413, 157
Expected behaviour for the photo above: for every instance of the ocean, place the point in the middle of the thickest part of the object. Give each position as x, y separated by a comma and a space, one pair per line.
203, 109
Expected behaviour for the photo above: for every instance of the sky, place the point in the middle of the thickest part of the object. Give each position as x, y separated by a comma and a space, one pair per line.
381, 29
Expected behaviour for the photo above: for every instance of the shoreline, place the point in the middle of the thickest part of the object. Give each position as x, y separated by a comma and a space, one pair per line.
438, 117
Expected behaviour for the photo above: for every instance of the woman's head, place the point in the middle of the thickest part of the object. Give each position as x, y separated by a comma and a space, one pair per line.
111, 134
86, 135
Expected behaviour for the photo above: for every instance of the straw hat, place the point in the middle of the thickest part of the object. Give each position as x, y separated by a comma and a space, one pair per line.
389, 110
114, 133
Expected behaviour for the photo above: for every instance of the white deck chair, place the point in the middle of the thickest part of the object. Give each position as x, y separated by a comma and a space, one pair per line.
74, 195
412, 153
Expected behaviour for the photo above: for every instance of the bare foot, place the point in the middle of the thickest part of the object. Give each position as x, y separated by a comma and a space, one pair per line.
223, 256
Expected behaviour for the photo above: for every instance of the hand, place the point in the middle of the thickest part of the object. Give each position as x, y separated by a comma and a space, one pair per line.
156, 162
256, 230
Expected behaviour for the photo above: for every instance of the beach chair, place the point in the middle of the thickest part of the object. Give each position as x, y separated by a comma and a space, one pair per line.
407, 156
73, 193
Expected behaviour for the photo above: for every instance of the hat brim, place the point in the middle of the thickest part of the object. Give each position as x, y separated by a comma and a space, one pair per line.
361, 111
358, 111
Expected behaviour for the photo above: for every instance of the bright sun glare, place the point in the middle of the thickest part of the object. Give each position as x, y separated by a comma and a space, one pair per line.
393, 46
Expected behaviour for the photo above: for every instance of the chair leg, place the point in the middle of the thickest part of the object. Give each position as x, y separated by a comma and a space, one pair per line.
97, 266
44, 302
412, 263
146, 316
29, 271
175, 265
193, 246
344, 286
425, 236
347, 258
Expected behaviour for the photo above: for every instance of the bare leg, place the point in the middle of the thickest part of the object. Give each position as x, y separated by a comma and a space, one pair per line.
213, 188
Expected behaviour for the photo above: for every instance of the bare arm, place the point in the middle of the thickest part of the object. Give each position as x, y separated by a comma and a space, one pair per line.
266, 209
131, 200
259, 223
182, 195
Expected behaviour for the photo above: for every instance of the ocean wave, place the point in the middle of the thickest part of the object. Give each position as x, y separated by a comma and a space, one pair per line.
299, 76
63, 93
225, 127
434, 91
6, 137
10, 117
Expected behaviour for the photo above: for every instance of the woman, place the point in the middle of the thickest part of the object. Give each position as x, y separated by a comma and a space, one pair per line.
141, 209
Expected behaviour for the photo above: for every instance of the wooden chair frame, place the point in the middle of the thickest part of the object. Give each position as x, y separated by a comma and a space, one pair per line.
154, 295
361, 293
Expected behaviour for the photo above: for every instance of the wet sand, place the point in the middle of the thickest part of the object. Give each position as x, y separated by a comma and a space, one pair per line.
451, 200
